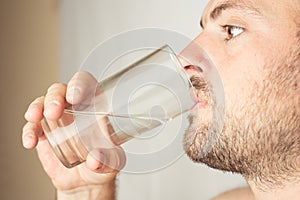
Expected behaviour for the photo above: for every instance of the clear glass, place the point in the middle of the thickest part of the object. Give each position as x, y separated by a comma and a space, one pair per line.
135, 100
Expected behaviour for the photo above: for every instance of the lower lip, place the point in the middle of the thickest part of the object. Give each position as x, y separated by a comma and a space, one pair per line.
196, 100
202, 112
199, 106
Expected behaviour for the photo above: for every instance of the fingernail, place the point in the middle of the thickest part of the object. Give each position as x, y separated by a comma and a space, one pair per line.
50, 108
73, 93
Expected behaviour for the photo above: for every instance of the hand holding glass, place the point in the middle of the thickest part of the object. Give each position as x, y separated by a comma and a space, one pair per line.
131, 102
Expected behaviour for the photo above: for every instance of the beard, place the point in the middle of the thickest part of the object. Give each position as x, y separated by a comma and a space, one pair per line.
260, 137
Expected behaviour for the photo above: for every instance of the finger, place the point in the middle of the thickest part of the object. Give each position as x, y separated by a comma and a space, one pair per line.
93, 163
55, 101
34, 112
30, 135
106, 160
49, 160
81, 86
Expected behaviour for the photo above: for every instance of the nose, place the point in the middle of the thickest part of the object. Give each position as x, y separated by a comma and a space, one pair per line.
194, 57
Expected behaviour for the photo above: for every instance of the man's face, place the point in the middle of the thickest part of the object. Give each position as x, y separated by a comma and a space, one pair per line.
255, 46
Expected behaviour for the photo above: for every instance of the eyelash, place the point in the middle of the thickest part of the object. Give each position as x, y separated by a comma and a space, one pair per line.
228, 30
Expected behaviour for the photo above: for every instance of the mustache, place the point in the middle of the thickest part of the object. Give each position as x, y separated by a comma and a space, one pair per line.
203, 90
199, 83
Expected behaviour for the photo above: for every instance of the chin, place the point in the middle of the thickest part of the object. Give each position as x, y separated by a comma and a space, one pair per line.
201, 135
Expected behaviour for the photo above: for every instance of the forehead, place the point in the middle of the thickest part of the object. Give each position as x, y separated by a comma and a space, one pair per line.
267, 8
212, 4
214, 8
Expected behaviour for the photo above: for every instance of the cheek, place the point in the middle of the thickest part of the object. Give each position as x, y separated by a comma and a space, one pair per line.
240, 64
241, 75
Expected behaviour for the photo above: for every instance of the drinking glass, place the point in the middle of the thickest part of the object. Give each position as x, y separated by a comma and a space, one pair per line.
136, 100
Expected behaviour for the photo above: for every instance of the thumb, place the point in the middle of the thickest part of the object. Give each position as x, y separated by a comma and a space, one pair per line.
106, 160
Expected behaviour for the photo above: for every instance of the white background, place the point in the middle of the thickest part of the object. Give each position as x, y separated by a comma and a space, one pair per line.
85, 24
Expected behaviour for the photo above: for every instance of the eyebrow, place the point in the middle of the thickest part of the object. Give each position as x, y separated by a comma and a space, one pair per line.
227, 5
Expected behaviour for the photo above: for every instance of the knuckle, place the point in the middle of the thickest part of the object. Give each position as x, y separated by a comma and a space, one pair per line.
41, 98
26, 127
77, 74
38, 102
83, 76
76, 78
82, 73
31, 129
55, 86
73, 82
53, 98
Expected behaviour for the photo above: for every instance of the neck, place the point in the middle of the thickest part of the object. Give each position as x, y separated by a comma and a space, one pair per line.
290, 191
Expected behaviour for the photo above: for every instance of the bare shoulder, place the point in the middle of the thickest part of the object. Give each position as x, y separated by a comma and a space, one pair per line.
236, 194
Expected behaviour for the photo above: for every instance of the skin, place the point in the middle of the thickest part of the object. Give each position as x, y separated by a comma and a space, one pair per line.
258, 63
91, 180
257, 57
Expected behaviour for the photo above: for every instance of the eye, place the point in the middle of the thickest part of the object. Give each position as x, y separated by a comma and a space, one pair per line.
232, 31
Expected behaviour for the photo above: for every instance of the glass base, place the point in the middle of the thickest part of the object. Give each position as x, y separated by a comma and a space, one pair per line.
68, 148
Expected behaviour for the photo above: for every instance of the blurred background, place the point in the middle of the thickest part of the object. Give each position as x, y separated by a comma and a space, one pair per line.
43, 42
